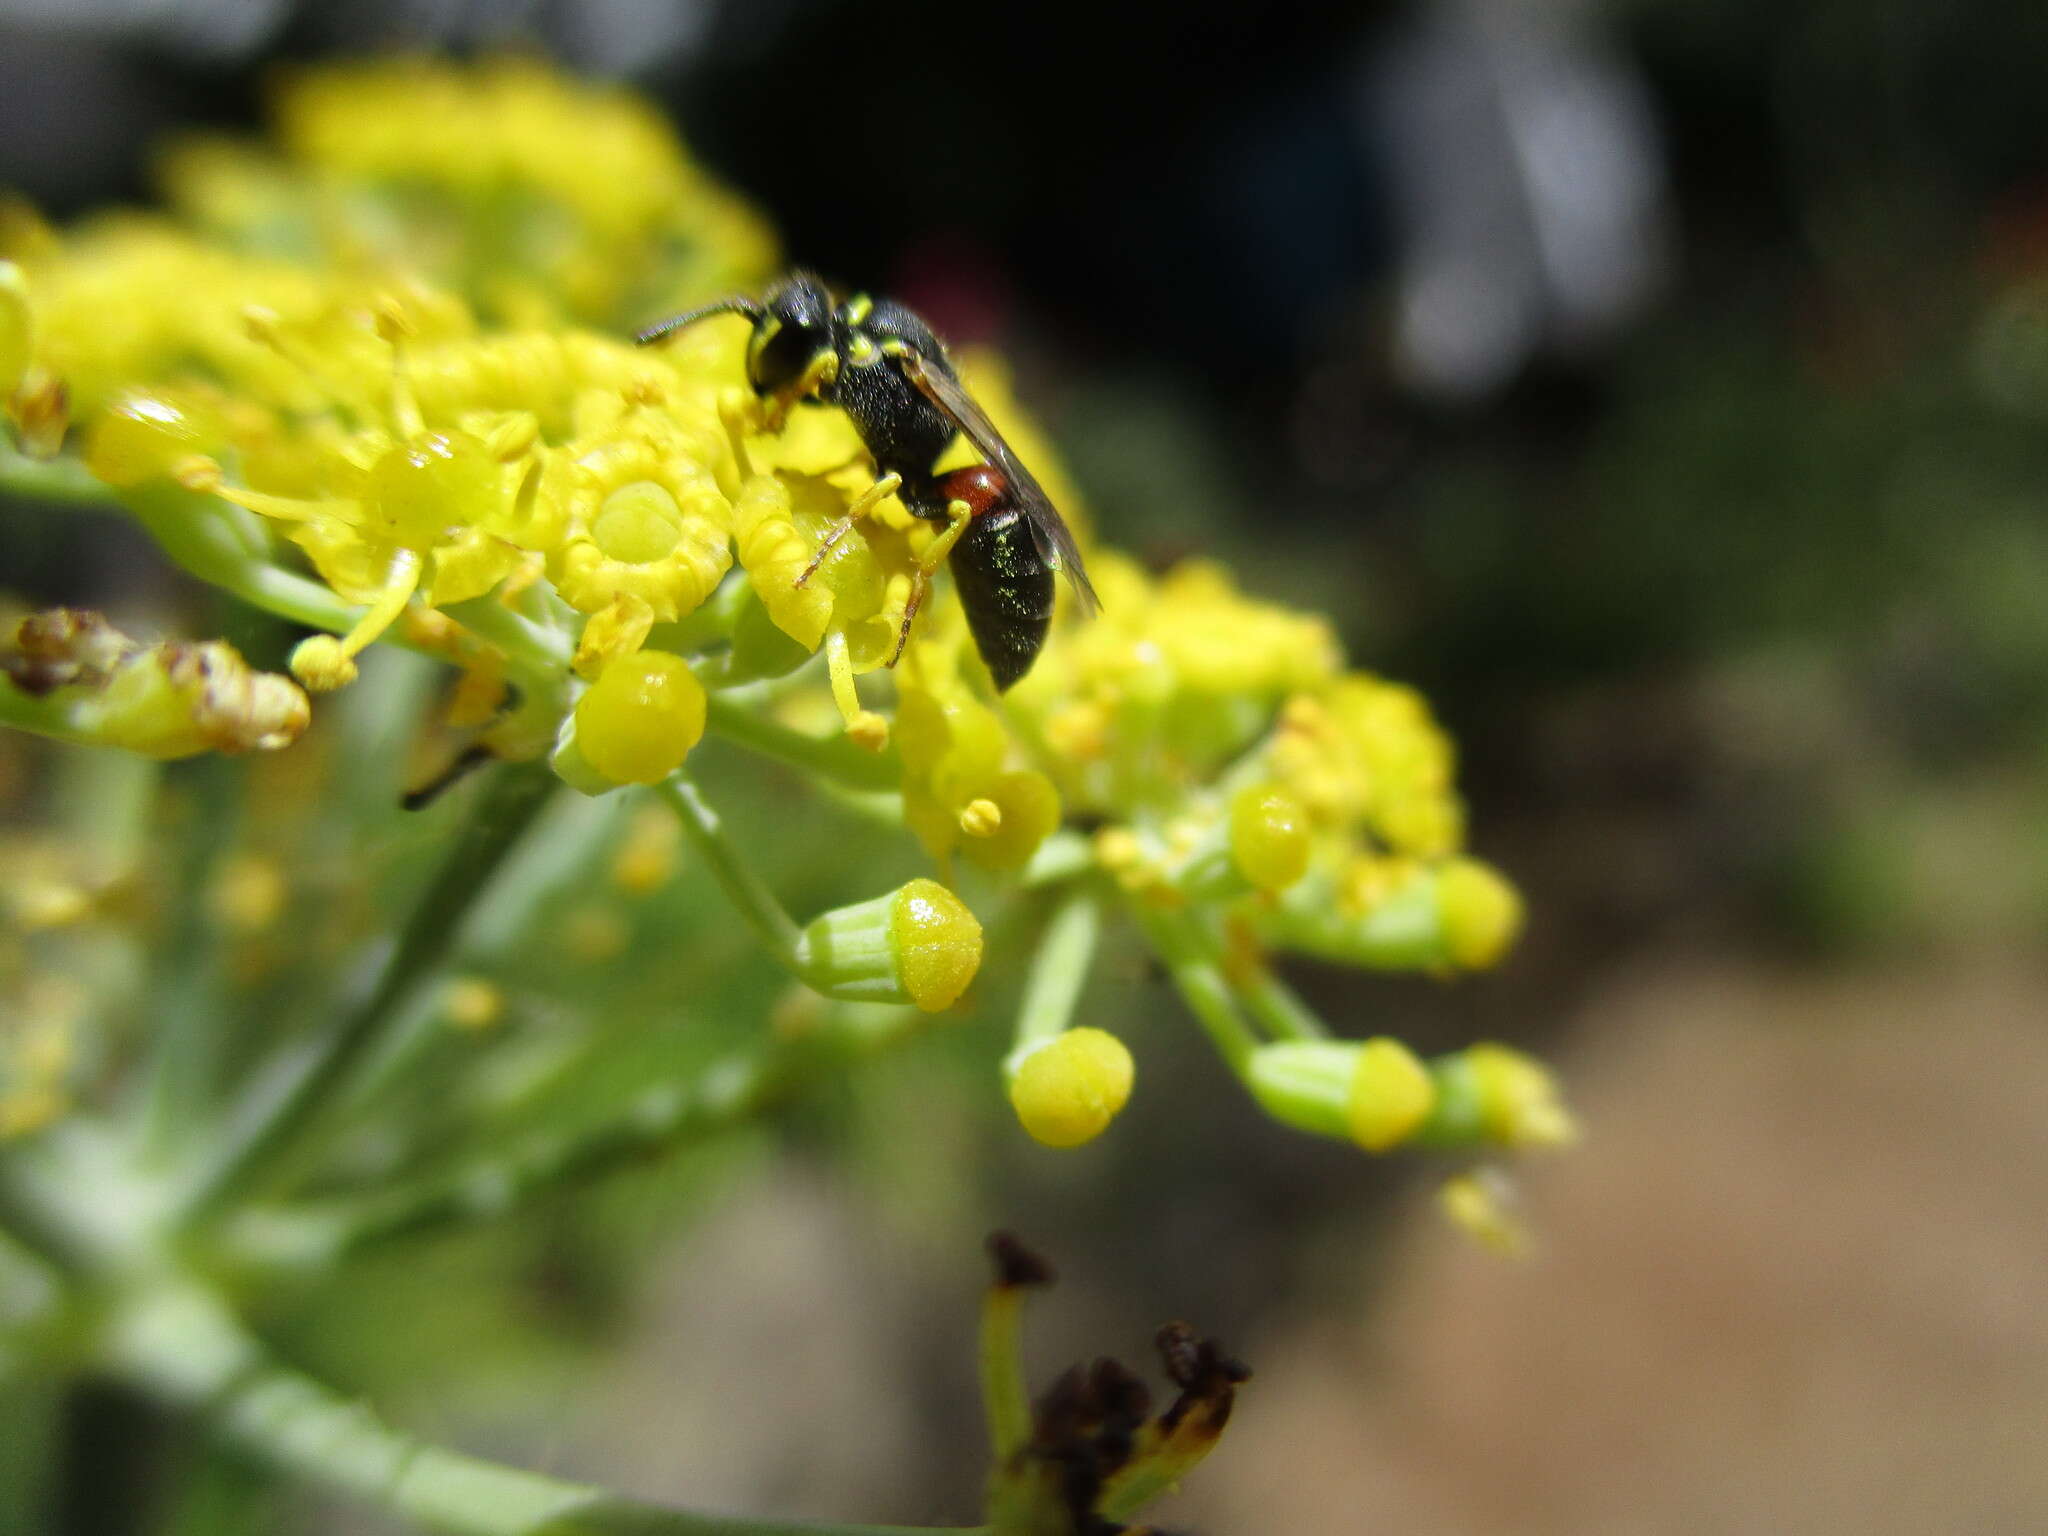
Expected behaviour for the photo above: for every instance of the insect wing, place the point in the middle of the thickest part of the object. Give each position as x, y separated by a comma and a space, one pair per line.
1049, 530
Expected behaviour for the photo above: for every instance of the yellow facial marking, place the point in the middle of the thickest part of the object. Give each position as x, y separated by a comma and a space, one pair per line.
764, 333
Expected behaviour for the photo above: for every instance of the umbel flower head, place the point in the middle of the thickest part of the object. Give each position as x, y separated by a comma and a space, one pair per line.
375, 378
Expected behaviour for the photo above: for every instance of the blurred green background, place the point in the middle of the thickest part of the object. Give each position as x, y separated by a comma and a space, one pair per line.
1659, 385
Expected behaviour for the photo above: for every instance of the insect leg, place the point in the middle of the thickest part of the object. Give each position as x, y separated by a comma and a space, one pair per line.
863, 504
958, 516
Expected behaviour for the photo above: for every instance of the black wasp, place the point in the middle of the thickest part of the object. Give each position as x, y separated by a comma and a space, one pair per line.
881, 364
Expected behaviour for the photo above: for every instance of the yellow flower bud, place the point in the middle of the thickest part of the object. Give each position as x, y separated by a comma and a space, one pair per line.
638, 721
1067, 1090
1519, 1103
937, 943
143, 434
1481, 913
1269, 837
419, 489
1392, 1094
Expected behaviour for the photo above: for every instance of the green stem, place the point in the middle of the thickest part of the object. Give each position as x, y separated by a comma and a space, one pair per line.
1280, 1008
657, 1120
184, 1051
182, 1346
745, 889
297, 1117
1064, 856
1190, 959
58, 479
1059, 971
829, 757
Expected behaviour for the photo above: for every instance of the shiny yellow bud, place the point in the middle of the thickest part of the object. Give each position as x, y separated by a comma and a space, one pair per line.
1481, 913
1269, 837
418, 489
144, 435
1066, 1091
1392, 1094
639, 720
937, 942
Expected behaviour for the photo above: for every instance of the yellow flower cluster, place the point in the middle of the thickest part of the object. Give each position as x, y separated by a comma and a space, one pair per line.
362, 355
540, 199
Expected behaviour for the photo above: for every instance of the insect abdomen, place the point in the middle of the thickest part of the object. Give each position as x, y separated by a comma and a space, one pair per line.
1004, 583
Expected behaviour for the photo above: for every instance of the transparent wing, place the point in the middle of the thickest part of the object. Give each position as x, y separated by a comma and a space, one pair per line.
1049, 530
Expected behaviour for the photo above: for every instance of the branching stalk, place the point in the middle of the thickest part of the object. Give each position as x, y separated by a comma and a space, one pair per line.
297, 1118
182, 1346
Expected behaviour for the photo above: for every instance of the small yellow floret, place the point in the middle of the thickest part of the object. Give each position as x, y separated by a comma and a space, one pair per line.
1391, 1095
1269, 837
981, 818
1481, 913
639, 720
1067, 1091
937, 943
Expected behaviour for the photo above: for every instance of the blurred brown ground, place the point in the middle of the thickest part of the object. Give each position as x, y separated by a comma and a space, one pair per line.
1795, 1279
